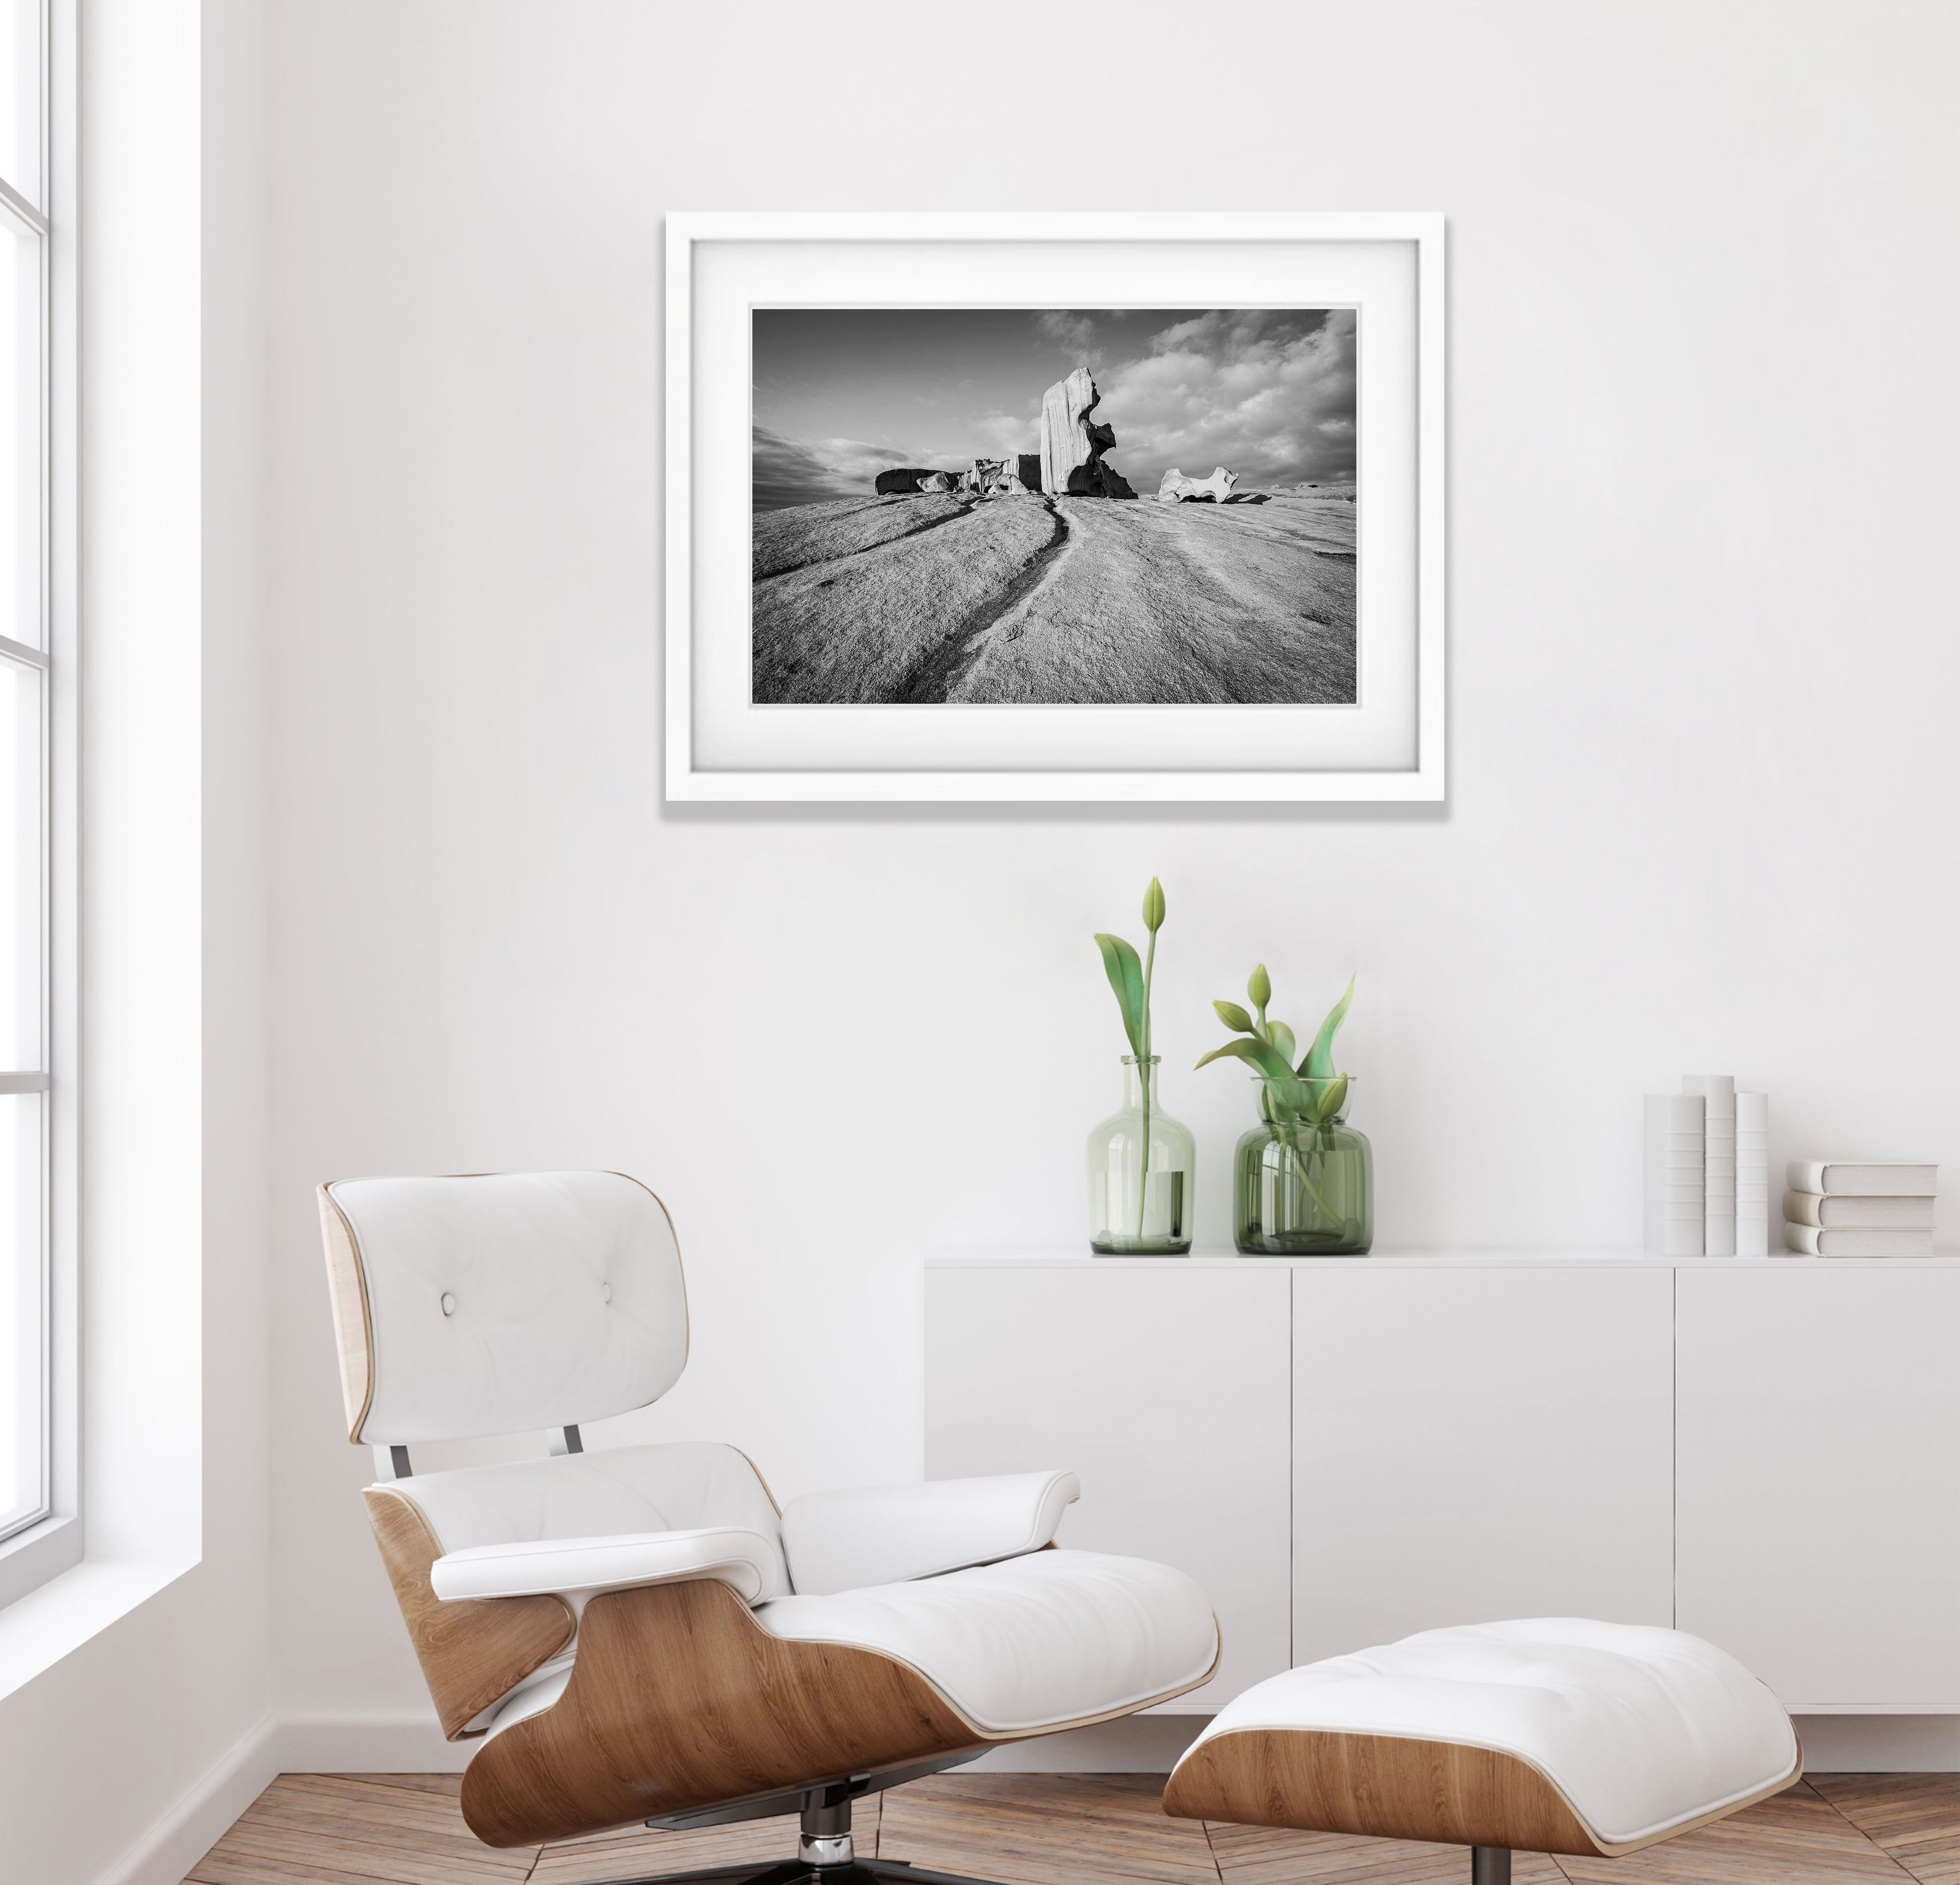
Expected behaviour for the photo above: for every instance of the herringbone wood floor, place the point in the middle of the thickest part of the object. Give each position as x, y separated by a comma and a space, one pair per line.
1074, 1829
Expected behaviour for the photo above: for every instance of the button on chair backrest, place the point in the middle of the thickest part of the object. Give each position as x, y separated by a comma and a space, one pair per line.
499, 1304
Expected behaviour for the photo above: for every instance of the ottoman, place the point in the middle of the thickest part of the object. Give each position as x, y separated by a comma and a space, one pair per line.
1550, 1735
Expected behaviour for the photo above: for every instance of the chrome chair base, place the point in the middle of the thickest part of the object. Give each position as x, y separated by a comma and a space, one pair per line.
825, 1854
796, 1872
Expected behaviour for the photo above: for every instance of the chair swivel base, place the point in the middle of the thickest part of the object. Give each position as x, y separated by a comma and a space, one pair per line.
796, 1872
825, 1854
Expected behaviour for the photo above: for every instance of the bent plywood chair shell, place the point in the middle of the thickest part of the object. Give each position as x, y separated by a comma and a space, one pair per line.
679, 1700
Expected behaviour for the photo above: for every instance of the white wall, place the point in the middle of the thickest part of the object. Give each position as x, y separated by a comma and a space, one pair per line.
1703, 668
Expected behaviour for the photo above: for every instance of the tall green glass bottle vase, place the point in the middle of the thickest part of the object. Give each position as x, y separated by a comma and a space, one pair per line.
1141, 1205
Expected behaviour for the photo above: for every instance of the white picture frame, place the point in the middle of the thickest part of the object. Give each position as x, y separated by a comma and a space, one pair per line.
1388, 745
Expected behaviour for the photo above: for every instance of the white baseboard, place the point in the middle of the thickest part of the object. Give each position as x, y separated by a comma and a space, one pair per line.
1151, 1743
1832, 1744
1138, 1744
410, 1743
200, 1818
406, 1742
1880, 1744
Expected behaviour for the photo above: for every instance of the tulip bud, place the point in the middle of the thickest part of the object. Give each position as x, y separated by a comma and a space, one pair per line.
1260, 987
1153, 907
1233, 1016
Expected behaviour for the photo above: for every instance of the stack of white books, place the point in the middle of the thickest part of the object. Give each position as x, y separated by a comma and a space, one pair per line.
1707, 1170
1873, 1207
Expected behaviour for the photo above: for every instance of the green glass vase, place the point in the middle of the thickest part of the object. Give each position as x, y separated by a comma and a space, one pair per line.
1301, 1188
1141, 1205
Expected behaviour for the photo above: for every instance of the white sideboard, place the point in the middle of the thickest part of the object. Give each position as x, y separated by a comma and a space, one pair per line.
1341, 1451
1817, 1522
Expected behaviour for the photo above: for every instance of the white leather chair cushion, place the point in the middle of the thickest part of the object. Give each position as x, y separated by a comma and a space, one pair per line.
885, 1534
625, 1492
545, 1567
1642, 1730
513, 1302
1037, 1642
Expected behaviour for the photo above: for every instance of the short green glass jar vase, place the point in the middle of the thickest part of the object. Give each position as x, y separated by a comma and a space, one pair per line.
1303, 1186
1141, 1163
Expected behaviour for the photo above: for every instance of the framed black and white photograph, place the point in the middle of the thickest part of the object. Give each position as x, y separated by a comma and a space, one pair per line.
1055, 507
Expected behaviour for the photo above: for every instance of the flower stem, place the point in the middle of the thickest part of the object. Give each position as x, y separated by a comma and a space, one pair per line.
1291, 1142
1143, 1071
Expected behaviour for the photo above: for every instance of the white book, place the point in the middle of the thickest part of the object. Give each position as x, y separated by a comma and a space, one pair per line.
1717, 1094
1675, 1204
1844, 1212
1719, 1090
1869, 1178
1810, 1239
1753, 1174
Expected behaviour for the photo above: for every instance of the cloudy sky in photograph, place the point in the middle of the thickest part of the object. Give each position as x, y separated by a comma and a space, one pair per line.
841, 393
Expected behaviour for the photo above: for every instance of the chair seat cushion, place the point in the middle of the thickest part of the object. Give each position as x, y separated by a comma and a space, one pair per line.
1037, 1642
1642, 1731
889, 1534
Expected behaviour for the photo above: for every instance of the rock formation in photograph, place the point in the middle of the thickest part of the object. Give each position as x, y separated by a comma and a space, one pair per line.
1072, 445
1016, 475
1070, 461
1177, 489
901, 481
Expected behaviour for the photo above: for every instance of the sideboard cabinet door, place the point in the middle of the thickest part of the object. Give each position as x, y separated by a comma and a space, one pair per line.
1819, 1508
1165, 1385
1478, 1442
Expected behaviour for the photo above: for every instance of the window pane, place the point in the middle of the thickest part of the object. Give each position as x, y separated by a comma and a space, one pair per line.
23, 1342
20, 873
21, 456
21, 96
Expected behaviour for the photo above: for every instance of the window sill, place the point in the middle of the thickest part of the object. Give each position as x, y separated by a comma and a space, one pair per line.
38, 1630
41, 1552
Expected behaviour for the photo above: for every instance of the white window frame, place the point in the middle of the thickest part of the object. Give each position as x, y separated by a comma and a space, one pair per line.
40, 1549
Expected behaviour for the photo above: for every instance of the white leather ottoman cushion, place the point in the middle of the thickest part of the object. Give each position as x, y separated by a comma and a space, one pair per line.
1643, 1730
1036, 1642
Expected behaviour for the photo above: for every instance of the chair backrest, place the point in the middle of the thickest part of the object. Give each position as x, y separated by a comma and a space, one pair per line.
500, 1304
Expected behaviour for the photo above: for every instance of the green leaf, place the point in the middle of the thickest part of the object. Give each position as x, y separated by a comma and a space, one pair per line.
1125, 969
1260, 987
1153, 907
1328, 1096
1281, 1037
1245, 1050
1254, 1053
1233, 1016
1319, 1064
